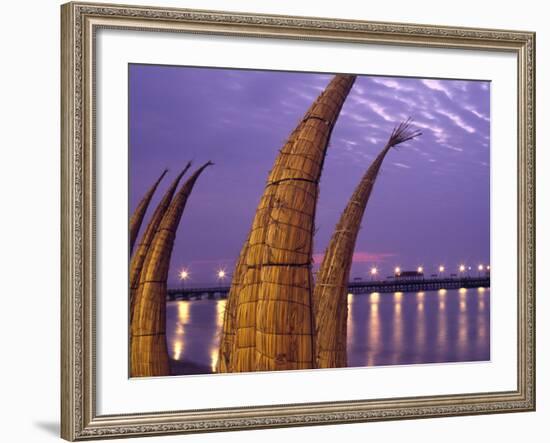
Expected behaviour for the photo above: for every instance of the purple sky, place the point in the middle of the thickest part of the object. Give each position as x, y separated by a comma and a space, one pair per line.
431, 202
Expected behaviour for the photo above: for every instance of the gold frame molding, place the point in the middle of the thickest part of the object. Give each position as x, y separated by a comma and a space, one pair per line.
79, 22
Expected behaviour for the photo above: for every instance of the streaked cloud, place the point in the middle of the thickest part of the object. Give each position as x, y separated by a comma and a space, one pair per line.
437, 85
457, 120
401, 165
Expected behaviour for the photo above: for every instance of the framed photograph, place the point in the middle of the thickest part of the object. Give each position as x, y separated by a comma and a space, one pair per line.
283, 221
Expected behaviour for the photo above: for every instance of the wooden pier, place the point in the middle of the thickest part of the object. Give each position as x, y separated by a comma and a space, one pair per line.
355, 287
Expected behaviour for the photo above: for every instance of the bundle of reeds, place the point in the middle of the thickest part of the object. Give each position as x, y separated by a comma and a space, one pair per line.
228, 326
269, 314
138, 257
149, 353
137, 217
330, 295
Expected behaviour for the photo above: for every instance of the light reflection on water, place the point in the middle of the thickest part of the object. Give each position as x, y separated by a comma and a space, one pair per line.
179, 333
372, 333
383, 329
420, 338
214, 349
397, 327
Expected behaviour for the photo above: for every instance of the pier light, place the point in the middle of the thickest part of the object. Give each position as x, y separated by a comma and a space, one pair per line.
462, 268
420, 269
488, 268
397, 270
221, 275
480, 268
374, 271
441, 268
184, 274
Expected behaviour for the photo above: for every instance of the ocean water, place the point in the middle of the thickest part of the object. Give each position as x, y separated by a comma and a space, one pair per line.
383, 329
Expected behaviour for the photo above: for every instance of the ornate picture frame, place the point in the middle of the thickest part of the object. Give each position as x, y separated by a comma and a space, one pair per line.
80, 22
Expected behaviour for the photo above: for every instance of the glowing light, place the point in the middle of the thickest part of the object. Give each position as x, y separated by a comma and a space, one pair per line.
397, 324
420, 300
441, 268
177, 350
480, 268
220, 311
221, 274
184, 274
214, 350
397, 308
183, 312
488, 267
420, 269
183, 318
397, 298
214, 354
374, 329
462, 268
374, 271
420, 338
397, 270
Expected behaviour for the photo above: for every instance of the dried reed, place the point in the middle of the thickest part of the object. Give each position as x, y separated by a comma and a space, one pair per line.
149, 353
269, 322
138, 257
141, 209
330, 294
